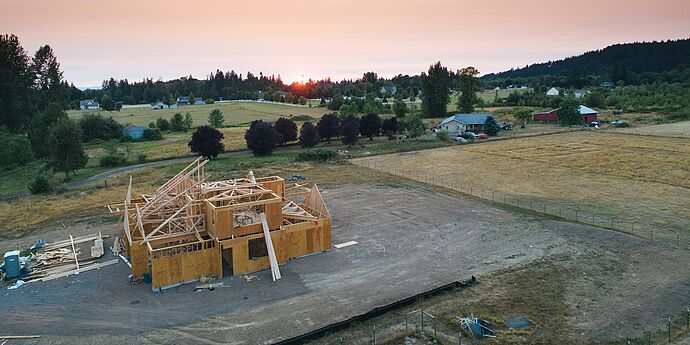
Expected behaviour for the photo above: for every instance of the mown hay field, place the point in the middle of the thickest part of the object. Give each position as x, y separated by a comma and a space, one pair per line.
642, 181
677, 129
235, 113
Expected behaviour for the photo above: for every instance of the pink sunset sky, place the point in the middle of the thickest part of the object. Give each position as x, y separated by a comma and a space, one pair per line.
99, 39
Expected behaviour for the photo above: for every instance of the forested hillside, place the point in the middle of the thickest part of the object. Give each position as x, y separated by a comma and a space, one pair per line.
613, 61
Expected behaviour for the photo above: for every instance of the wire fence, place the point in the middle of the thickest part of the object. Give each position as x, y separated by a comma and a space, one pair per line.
572, 212
421, 326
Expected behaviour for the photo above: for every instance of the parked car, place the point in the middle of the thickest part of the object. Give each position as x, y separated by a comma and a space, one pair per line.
482, 136
616, 122
469, 135
459, 139
595, 124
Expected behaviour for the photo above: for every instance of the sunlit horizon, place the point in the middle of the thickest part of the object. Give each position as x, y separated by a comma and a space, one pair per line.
171, 39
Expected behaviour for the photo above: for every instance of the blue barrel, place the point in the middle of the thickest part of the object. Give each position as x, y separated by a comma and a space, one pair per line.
12, 265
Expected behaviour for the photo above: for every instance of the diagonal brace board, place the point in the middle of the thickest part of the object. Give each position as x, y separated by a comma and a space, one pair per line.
275, 270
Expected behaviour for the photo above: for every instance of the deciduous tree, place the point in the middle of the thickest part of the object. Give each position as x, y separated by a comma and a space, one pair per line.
569, 113
261, 138
469, 85
328, 126
349, 130
308, 135
207, 141
287, 130
370, 125
66, 147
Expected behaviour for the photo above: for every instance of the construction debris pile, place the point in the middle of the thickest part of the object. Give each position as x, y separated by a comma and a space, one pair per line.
44, 262
191, 227
476, 327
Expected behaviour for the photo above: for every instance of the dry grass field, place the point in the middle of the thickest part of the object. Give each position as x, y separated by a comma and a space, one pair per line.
235, 113
173, 145
645, 180
678, 129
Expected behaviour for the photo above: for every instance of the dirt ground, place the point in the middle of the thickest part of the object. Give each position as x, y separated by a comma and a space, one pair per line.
410, 239
637, 181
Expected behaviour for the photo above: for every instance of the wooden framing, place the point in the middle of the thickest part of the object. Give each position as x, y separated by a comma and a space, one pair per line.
190, 226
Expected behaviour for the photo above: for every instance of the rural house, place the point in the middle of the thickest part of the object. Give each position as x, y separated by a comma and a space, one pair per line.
553, 92
460, 123
198, 101
588, 115
390, 88
134, 132
580, 93
161, 105
183, 100
88, 104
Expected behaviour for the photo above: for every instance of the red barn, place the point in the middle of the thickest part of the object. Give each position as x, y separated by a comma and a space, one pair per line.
588, 115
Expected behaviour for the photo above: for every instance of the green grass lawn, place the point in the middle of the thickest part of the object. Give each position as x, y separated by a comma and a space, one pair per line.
236, 114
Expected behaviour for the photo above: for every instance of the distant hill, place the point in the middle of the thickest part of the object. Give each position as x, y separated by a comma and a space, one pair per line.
630, 57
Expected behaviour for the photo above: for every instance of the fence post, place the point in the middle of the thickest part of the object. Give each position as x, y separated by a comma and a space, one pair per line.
374, 335
612, 218
678, 240
422, 322
669, 329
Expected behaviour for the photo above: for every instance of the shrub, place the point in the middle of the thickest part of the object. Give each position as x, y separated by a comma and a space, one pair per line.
317, 155
622, 125
141, 157
443, 135
112, 160
209, 101
152, 134
15, 150
40, 185
162, 124
302, 118
95, 126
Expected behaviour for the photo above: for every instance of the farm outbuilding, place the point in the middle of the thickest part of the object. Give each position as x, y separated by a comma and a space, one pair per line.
588, 115
191, 227
134, 132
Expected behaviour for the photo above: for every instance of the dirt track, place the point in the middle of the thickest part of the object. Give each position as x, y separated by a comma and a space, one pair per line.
409, 240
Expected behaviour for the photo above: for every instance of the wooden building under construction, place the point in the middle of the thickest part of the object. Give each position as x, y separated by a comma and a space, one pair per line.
191, 227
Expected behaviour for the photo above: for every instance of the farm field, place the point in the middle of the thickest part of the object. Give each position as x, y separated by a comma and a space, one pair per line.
678, 129
644, 183
174, 144
235, 113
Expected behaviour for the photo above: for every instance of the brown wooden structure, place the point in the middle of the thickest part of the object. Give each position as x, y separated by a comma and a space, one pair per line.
190, 227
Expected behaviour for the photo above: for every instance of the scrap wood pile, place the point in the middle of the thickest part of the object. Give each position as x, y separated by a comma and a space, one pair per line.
63, 258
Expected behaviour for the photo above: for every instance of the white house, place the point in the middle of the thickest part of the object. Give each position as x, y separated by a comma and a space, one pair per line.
553, 92
161, 105
460, 123
88, 104
580, 93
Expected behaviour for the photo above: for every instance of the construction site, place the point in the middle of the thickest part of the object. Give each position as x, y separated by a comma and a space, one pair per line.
193, 229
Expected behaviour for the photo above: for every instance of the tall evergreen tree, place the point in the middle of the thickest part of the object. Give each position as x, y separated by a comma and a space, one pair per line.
435, 90
40, 127
216, 118
469, 85
16, 79
48, 75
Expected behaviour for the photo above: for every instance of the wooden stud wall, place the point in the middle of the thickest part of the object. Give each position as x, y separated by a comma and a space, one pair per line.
186, 266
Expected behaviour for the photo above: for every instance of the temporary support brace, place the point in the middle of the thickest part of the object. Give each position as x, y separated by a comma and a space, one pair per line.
275, 270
